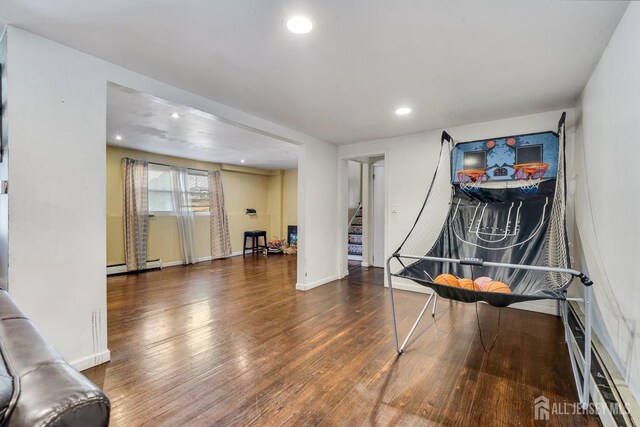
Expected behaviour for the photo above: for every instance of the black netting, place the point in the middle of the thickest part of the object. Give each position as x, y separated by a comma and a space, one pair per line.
504, 225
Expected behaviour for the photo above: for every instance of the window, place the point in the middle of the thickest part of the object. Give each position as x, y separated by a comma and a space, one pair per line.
160, 198
199, 191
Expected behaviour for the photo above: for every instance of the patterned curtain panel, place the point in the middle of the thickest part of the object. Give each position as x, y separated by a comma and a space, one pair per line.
184, 214
220, 240
136, 213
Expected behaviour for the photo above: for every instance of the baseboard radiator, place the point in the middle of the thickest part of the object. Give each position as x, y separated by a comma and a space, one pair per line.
122, 268
611, 399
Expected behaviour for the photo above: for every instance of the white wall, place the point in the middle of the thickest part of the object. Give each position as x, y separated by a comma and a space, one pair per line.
57, 208
4, 207
410, 162
355, 184
318, 215
607, 203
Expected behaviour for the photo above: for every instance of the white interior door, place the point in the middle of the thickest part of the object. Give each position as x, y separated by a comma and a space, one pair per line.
378, 214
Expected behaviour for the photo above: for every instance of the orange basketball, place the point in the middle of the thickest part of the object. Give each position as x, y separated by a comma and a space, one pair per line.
491, 144
511, 142
482, 282
447, 279
496, 286
468, 284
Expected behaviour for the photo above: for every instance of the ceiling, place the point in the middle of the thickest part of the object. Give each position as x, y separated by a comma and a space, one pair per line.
145, 122
453, 62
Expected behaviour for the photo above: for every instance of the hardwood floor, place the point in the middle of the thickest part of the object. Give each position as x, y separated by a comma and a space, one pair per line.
231, 342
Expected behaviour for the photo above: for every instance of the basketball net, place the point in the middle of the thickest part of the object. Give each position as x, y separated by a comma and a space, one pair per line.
530, 175
469, 180
432, 218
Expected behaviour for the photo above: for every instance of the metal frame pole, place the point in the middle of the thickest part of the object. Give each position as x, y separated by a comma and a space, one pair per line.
480, 263
415, 324
565, 319
400, 348
393, 307
582, 386
572, 356
587, 347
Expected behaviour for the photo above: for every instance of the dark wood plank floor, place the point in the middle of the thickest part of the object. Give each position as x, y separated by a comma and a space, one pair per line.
231, 342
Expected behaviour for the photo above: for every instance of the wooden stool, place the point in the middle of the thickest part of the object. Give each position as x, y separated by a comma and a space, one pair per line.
255, 241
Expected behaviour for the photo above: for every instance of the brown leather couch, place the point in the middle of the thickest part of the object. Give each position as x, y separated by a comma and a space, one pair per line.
37, 386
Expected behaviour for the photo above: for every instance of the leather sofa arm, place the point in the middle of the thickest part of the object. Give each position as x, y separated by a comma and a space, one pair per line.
47, 391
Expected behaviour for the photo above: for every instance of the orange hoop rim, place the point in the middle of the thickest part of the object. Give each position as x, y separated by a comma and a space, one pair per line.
531, 167
472, 173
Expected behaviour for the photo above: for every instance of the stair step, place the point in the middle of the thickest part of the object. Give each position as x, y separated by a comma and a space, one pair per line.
355, 239
354, 246
354, 249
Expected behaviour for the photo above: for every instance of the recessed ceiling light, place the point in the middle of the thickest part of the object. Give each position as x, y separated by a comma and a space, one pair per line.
175, 115
118, 137
242, 161
402, 111
299, 25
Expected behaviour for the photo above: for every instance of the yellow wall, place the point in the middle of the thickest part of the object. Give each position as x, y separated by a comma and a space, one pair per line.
275, 206
289, 199
243, 188
242, 191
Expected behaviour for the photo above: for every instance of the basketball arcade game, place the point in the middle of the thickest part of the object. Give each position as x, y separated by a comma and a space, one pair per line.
495, 212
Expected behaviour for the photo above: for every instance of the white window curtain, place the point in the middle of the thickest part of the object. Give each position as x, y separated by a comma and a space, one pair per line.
219, 230
136, 213
182, 211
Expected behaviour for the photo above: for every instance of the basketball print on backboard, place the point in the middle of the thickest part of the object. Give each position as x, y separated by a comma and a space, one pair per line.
522, 161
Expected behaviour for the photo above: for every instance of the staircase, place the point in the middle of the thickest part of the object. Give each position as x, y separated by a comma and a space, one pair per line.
354, 245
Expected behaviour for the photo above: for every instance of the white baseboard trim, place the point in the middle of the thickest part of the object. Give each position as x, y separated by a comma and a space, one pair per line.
210, 258
411, 287
364, 264
116, 269
172, 263
315, 284
91, 360
201, 259
122, 268
541, 306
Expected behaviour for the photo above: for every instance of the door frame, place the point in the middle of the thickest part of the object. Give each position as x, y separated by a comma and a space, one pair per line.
373, 205
343, 204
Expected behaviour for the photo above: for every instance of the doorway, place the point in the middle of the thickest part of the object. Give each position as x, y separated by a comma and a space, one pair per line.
354, 213
363, 203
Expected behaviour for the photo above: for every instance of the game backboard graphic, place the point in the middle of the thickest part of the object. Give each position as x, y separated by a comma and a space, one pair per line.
498, 157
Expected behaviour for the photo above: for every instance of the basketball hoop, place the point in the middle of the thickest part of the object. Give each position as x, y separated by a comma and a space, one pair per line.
470, 179
530, 175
